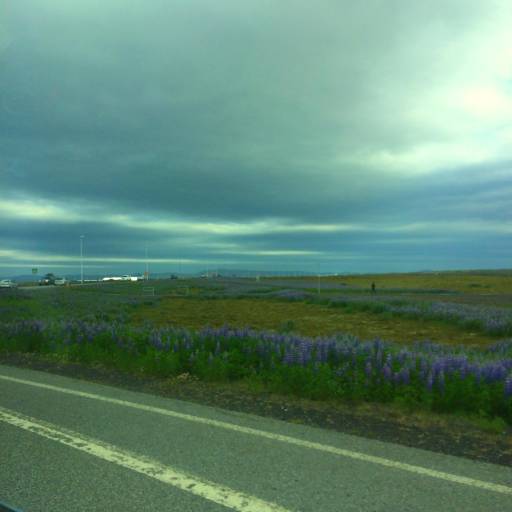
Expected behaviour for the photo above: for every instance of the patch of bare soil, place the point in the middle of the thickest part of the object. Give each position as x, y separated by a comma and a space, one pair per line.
449, 435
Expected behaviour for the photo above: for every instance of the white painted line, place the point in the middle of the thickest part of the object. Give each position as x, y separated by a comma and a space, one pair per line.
205, 489
441, 475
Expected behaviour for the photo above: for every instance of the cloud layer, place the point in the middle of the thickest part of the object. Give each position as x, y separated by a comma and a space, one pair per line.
354, 137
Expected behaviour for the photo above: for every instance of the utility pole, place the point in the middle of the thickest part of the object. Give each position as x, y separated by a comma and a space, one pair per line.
147, 265
82, 259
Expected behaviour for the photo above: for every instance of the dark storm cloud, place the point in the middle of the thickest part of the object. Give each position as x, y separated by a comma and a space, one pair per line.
220, 112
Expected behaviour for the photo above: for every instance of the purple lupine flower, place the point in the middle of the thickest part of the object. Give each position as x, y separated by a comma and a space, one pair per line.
437, 366
387, 373
463, 370
423, 365
321, 352
508, 387
156, 340
378, 356
430, 381
368, 369
500, 371
404, 375
297, 356
288, 358
402, 356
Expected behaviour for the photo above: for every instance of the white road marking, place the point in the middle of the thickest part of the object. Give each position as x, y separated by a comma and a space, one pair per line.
200, 487
441, 475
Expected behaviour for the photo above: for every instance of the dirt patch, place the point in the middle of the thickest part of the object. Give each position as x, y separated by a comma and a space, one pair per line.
449, 435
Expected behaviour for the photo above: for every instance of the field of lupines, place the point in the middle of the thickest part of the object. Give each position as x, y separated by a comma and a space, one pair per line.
495, 321
427, 375
492, 320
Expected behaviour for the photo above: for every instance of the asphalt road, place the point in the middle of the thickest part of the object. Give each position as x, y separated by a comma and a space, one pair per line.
69, 445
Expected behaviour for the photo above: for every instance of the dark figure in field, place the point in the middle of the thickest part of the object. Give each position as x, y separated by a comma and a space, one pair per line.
373, 287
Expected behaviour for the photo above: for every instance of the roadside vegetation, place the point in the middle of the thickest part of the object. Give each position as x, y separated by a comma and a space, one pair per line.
419, 354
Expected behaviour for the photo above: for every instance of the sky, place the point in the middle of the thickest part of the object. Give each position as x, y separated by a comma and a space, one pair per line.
327, 136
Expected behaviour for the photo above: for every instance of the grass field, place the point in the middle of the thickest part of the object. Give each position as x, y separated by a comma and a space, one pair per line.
430, 341
302, 318
477, 282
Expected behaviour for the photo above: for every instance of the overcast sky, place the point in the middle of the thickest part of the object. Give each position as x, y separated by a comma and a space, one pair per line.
331, 135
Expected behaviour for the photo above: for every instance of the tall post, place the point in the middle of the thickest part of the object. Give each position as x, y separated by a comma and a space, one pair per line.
82, 259
147, 264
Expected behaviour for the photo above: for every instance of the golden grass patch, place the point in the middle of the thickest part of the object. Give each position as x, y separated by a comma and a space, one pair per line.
306, 319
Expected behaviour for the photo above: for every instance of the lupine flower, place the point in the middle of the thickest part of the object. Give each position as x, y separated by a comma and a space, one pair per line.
405, 376
430, 381
508, 387
368, 369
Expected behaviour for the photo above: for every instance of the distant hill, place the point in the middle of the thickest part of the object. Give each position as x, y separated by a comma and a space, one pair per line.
234, 272
25, 277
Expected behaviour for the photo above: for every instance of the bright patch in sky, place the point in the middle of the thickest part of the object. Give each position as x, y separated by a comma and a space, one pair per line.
487, 102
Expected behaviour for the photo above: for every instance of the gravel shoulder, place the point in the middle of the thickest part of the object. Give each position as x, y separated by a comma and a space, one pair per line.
444, 434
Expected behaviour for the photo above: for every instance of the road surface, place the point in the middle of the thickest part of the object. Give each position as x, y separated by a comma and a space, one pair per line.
70, 445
